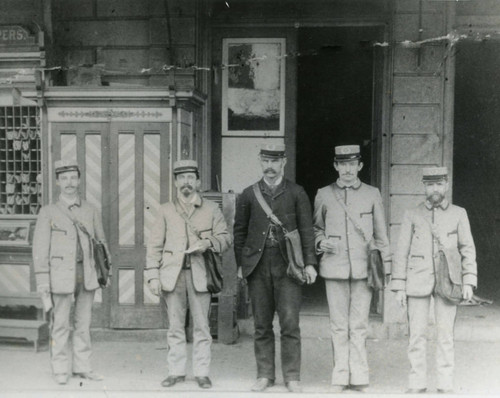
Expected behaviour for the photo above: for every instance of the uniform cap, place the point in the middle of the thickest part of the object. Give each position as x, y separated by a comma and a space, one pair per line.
344, 153
434, 173
64, 165
273, 150
186, 166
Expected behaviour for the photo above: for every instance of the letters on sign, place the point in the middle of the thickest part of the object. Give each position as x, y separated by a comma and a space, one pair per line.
15, 35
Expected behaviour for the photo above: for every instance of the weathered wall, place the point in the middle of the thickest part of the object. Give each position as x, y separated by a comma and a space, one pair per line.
422, 102
127, 36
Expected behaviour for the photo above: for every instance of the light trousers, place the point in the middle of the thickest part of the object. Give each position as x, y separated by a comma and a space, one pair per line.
349, 307
60, 351
199, 306
418, 319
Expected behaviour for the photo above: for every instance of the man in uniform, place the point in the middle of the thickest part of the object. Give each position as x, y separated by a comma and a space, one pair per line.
261, 256
343, 240
175, 270
64, 268
432, 224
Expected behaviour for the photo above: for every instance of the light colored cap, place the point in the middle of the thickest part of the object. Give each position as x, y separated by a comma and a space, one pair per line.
344, 153
273, 150
64, 165
186, 166
434, 173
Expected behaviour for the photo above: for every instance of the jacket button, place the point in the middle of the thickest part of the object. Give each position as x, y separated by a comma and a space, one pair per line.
260, 250
263, 233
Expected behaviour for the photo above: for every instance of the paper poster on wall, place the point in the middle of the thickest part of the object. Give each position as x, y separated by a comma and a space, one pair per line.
253, 88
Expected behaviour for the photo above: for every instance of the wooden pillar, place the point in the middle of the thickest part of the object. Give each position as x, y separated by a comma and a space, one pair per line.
422, 109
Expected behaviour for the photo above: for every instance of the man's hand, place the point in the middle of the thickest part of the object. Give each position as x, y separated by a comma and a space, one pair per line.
199, 246
154, 287
108, 281
467, 292
311, 274
388, 278
329, 246
401, 298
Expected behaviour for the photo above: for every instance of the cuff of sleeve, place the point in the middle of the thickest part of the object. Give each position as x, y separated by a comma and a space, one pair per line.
470, 279
311, 260
215, 243
151, 273
316, 246
42, 278
397, 284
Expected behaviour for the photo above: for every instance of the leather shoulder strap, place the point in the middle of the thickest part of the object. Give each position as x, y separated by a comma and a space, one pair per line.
265, 206
357, 227
188, 222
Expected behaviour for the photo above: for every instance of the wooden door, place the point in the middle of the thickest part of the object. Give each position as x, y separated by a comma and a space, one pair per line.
139, 182
126, 174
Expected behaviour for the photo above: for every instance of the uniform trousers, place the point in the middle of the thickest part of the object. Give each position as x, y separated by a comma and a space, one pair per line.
271, 290
418, 319
349, 307
199, 306
60, 352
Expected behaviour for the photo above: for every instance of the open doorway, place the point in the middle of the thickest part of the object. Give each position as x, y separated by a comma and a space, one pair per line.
335, 106
476, 170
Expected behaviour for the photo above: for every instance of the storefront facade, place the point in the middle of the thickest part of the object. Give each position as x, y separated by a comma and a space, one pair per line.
129, 87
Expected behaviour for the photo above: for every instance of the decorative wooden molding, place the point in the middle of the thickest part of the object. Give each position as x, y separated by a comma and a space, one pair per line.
74, 114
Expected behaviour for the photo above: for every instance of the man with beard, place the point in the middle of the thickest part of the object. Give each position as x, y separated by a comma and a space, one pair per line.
65, 272
260, 250
348, 219
432, 226
175, 270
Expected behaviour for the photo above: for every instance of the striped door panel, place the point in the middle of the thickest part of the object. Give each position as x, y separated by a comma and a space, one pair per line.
14, 278
126, 184
151, 181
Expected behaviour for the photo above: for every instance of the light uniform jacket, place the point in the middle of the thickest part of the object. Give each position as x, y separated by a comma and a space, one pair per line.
413, 269
55, 246
331, 221
169, 239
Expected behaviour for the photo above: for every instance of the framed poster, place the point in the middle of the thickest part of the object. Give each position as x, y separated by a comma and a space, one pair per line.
253, 87
14, 232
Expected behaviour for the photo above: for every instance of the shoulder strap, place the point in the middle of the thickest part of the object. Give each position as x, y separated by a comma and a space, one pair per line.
265, 206
188, 221
77, 223
357, 227
434, 234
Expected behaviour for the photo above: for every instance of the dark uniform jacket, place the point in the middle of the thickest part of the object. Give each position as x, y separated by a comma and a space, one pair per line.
251, 226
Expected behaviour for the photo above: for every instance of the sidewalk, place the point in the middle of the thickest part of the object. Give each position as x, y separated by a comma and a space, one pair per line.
136, 368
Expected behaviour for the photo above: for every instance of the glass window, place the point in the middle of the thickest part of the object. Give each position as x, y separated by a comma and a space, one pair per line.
20, 160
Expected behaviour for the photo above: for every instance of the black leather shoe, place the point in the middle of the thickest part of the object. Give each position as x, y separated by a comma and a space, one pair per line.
171, 380
359, 387
416, 390
262, 383
203, 382
444, 391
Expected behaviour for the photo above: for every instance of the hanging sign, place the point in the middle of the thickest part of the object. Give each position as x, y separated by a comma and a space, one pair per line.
15, 35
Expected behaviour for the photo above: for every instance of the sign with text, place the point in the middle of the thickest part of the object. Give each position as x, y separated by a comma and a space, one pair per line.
15, 35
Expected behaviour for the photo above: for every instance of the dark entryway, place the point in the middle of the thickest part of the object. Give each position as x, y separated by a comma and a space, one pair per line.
476, 152
335, 106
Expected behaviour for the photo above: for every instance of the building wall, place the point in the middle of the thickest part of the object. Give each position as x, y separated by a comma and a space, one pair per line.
422, 105
130, 41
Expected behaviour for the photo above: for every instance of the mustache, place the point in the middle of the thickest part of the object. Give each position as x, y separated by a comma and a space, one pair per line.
187, 186
269, 169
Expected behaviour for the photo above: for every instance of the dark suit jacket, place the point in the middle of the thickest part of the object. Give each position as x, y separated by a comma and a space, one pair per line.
251, 225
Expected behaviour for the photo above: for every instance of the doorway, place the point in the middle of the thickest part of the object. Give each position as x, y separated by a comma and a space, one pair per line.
476, 170
336, 82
